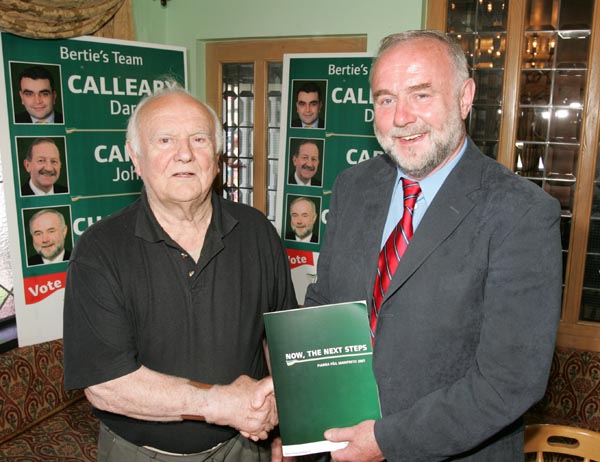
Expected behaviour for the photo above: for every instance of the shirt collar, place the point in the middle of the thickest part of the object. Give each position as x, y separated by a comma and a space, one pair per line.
148, 228
431, 184
299, 180
48, 119
304, 239
38, 192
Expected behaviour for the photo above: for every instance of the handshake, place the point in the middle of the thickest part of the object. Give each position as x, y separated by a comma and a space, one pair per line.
246, 404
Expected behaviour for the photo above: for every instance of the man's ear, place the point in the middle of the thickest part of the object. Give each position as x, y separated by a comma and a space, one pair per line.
133, 157
467, 94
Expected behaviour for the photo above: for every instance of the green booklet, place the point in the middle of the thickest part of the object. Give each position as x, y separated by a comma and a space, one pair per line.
321, 361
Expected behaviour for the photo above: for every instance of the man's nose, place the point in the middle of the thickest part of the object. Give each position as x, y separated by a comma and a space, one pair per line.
403, 115
184, 149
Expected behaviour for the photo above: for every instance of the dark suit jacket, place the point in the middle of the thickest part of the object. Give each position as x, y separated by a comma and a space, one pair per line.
37, 259
25, 118
27, 191
298, 123
292, 180
290, 236
467, 328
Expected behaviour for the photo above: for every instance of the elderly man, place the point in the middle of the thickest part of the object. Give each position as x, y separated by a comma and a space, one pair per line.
38, 96
164, 302
48, 232
43, 165
464, 312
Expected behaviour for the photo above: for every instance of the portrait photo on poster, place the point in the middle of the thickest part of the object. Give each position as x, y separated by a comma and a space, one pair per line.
36, 93
302, 222
308, 104
47, 234
42, 165
305, 166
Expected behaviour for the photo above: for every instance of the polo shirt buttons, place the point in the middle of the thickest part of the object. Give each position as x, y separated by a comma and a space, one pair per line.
184, 255
191, 273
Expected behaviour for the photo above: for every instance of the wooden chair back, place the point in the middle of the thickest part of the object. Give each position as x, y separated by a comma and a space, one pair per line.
561, 439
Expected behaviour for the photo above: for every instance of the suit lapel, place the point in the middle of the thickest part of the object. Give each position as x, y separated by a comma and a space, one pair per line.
453, 202
376, 201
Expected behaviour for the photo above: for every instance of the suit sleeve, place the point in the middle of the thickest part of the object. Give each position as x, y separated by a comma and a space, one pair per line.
317, 293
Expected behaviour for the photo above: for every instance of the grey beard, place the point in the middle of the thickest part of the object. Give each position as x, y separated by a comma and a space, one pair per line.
439, 152
303, 234
53, 255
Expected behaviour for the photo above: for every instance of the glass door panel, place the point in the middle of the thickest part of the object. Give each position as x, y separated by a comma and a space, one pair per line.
554, 65
576, 14
480, 28
590, 295
274, 73
238, 124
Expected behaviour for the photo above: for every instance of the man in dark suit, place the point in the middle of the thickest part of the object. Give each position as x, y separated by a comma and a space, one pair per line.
465, 332
308, 106
305, 162
48, 232
38, 95
43, 164
303, 215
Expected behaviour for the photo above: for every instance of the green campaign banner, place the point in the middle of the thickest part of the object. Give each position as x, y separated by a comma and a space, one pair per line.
327, 126
64, 163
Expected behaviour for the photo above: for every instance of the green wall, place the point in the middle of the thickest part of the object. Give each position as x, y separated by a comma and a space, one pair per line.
190, 23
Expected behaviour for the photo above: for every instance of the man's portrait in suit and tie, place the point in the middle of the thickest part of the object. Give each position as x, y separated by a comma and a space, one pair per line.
303, 213
42, 166
38, 100
308, 104
48, 230
305, 161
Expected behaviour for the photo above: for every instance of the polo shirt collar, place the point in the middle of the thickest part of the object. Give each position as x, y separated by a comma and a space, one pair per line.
148, 228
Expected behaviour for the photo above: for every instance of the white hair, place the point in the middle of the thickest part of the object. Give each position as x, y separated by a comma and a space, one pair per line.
172, 88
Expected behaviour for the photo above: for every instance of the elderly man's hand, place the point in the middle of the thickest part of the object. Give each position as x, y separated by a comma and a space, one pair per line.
246, 404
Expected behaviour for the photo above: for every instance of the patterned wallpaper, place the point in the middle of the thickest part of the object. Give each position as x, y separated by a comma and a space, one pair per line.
573, 393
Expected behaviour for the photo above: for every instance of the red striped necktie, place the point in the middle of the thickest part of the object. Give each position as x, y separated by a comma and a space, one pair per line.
394, 248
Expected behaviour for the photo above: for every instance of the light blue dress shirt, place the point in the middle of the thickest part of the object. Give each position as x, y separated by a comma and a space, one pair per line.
430, 186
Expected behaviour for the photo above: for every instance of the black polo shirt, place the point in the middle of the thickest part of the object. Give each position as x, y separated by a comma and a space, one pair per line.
134, 297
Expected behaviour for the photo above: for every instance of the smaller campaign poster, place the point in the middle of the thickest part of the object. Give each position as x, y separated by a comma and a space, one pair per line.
327, 126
